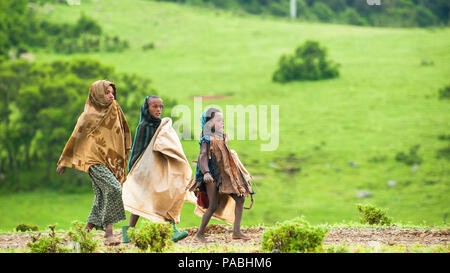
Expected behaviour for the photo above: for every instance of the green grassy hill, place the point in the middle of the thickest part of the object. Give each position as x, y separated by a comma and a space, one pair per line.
383, 103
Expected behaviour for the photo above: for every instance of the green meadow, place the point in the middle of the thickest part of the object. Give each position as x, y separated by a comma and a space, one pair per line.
337, 137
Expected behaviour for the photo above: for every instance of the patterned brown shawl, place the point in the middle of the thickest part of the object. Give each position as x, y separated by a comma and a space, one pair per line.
233, 180
101, 135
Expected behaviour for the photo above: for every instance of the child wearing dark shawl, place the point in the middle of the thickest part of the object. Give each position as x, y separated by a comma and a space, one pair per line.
150, 120
219, 173
100, 145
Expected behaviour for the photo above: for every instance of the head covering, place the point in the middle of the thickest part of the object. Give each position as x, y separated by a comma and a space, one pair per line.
207, 113
203, 118
101, 135
144, 132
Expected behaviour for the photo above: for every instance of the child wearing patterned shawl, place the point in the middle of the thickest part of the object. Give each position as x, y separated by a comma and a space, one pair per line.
220, 175
100, 145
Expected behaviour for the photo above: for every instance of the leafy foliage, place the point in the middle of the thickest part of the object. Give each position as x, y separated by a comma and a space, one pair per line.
405, 13
84, 238
20, 30
26, 227
309, 62
444, 93
411, 158
295, 235
39, 108
155, 237
372, 215
47, 244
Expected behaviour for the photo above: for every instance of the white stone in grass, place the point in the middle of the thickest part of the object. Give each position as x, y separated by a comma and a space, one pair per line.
392, 183
363, 194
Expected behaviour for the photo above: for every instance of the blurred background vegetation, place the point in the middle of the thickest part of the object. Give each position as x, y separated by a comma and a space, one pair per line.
403, 13
376, 130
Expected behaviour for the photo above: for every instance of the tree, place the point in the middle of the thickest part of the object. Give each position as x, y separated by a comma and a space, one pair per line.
309, 62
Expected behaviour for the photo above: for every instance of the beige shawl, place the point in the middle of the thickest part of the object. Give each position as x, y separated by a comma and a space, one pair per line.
101, 135
156, 185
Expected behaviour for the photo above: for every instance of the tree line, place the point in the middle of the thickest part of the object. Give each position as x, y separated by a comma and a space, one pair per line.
39, 106
21, 31
41, 102
394, 13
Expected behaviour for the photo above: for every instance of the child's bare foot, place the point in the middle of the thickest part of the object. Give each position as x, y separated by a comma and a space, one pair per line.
200, 238
237, 236
110, 241
109, 236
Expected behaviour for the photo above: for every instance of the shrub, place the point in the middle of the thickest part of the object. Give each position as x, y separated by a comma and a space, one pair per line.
424, 17
444, 93
47, 244
148, 46
308, 63
411, 158
352, 17
295, 235
322, 11
444, 153
372, 215
26, 227
342, 248
82, 237
157, 237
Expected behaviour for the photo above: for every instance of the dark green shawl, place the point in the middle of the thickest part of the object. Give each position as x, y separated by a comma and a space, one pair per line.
144, 132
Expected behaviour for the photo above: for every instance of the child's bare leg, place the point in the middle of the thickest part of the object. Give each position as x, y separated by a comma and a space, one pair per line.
133, 220
238, 211
211, 190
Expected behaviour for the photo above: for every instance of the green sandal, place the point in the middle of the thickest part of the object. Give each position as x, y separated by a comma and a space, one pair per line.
177, 235
125, 238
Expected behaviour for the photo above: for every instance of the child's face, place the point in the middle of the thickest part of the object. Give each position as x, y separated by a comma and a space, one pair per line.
217, 122
109, 94
155, 107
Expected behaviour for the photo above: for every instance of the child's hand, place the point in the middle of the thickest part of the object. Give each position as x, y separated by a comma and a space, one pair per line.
208, 178
60, 170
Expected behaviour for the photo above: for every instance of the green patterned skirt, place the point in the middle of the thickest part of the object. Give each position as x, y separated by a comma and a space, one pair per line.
108, 205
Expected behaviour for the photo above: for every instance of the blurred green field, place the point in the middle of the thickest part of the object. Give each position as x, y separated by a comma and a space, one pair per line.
384, 102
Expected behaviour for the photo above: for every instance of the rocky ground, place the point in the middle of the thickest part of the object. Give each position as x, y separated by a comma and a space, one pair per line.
221, 235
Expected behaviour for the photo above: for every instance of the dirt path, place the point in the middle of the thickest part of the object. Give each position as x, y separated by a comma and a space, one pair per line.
221, 234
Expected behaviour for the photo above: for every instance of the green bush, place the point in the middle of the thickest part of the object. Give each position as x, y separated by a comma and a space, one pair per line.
153, 237
33, 135
372, 215
424, 17
26, 227
148, 46
322, 11
352, 17
444, 93
82, 237
342, 248
295, 235
411, 158
47, 244
443, 153
308, 63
